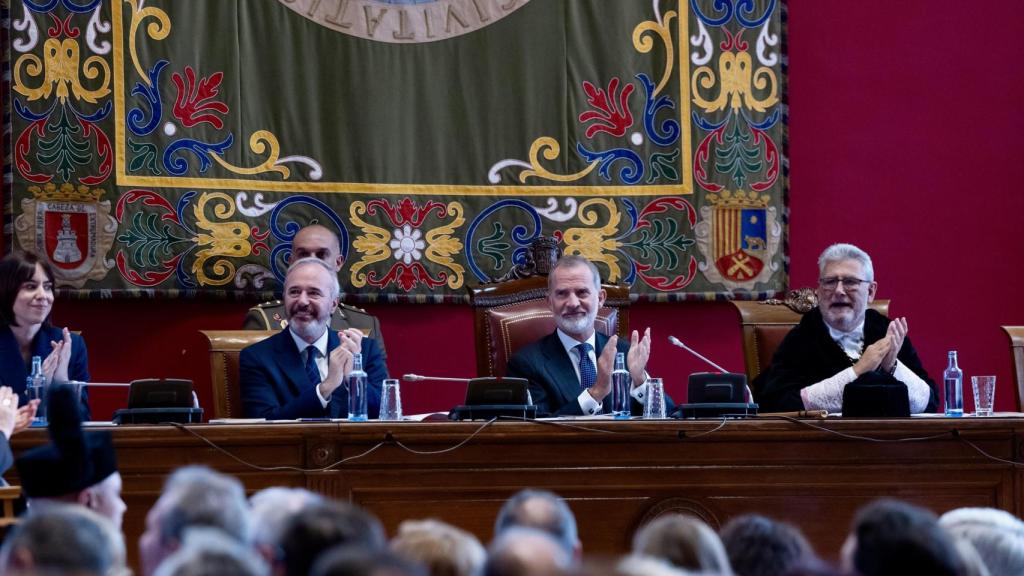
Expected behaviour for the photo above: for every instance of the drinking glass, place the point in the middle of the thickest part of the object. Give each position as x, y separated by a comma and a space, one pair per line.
984, 394
390, 401
654, 404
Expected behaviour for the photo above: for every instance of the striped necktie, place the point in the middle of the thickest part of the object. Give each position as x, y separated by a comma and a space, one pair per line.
311, 370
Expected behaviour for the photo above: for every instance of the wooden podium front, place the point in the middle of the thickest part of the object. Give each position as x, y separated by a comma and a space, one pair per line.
615, 475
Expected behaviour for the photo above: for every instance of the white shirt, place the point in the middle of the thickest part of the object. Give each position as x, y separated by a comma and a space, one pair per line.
828, 394
588, 404
321, 358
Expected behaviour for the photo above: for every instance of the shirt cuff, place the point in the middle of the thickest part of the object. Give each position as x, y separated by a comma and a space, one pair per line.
828, 394
323, 401
588, 404
640, 392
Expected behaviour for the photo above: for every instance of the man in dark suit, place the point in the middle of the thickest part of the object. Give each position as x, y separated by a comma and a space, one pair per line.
301, 372
842, 341
570, 369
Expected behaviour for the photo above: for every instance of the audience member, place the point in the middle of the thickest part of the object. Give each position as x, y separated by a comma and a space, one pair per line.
635, 565
442, 548
210, 552
893, 538
997, 535
683, 541
271, 509
544, 511
322, 526
521, 551
76, 467
355, 561
63, 539
759, 546
193, 496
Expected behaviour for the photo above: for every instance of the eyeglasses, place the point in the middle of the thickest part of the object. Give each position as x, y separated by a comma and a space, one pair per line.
831, 282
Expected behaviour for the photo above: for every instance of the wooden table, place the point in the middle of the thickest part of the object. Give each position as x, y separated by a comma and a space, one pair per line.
615, 475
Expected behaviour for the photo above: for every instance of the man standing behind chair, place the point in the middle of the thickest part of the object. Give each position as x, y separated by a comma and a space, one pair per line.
300, 372
841, 340
570, 369
316, 241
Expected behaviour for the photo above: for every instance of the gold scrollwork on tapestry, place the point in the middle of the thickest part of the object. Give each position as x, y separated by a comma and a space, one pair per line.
644, 44
260, 141
59, 69
441, 246
156, 30
595, 244
738, 83
372, 245
551, 149
225, 239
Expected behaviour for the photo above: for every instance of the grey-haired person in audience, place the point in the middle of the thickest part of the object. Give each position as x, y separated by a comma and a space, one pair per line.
544, 511
684, 541
997, 535
63, 539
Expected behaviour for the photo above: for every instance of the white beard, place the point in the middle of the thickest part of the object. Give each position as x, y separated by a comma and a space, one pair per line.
576, 326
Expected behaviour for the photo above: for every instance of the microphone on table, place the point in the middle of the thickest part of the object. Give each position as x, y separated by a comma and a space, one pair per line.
719, 394
418, 378
488, 397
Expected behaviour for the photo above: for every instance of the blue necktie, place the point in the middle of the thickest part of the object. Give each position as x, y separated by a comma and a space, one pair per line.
311, 370
588, 373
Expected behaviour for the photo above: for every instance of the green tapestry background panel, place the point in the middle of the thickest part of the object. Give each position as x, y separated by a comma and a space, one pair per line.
175, 147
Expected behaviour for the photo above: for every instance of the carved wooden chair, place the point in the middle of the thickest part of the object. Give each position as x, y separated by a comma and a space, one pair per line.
8, 496
225, 346
1016, 334
766, 323
509, 315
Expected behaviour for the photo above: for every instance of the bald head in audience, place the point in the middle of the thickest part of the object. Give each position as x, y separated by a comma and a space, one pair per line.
519, 551
543, 511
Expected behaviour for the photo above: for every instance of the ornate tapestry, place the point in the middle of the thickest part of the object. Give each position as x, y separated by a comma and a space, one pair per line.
176, 146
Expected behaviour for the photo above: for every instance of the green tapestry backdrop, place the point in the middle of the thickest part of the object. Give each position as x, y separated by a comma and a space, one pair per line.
176, 146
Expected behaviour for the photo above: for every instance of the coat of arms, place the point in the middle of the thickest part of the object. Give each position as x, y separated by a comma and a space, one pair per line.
739, 235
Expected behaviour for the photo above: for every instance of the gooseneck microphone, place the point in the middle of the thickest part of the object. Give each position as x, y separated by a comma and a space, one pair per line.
677, 342
418, 378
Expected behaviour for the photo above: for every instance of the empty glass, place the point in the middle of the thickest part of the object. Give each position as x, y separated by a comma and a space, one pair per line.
390, 400
654, 404
984, 394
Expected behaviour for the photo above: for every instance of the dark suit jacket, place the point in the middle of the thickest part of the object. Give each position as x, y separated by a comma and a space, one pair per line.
13, 370
274, 385
554, 385
808, 354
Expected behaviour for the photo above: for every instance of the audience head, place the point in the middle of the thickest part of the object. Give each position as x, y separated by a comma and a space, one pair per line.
845, 286
890, 537
317, 241
544, 511
322, 526
25, 280
575, 295
63, 539
636, 565
683, 541
355, 561
270, 510
442, 548
998, 537
311, 292
520, 551
760, 546
210, 552
76, 467
193, 496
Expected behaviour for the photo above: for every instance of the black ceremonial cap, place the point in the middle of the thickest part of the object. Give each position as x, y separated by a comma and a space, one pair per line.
73, 461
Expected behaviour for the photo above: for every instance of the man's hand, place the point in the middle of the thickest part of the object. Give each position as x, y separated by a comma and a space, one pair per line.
8, 411
25, 415
636, 358
896, 333
57, 362
873, 355
339, 364
352, 339
605, 364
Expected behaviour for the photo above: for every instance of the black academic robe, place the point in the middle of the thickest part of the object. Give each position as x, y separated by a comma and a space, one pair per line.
808, 355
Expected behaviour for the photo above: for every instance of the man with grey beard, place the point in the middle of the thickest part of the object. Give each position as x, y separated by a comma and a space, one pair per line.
300, 372
570, 370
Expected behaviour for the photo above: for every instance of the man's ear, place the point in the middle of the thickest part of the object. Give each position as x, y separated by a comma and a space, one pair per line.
85, 498
601, 295
872, 290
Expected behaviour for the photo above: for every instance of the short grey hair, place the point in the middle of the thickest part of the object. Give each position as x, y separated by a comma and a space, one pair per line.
66, 539
272, 508
210, 552
199, 496
997, 535
335, 285
574, 261
554, 517
840, 252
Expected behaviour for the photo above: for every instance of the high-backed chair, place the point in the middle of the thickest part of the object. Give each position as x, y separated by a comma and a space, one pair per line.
766, 323
225, 345
509, 315
1016, 334
8, 496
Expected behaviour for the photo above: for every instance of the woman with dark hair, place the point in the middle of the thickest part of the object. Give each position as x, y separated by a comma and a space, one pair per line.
26, 300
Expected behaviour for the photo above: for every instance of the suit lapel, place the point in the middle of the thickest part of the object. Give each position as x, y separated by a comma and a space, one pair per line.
12, 366
288, 358
559, 368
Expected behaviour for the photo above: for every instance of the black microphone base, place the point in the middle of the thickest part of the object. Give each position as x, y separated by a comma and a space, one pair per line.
489, 411
715, 410
158, 415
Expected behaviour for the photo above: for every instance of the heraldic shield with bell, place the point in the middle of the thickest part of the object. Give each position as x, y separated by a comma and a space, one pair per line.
739, 235
72, 227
